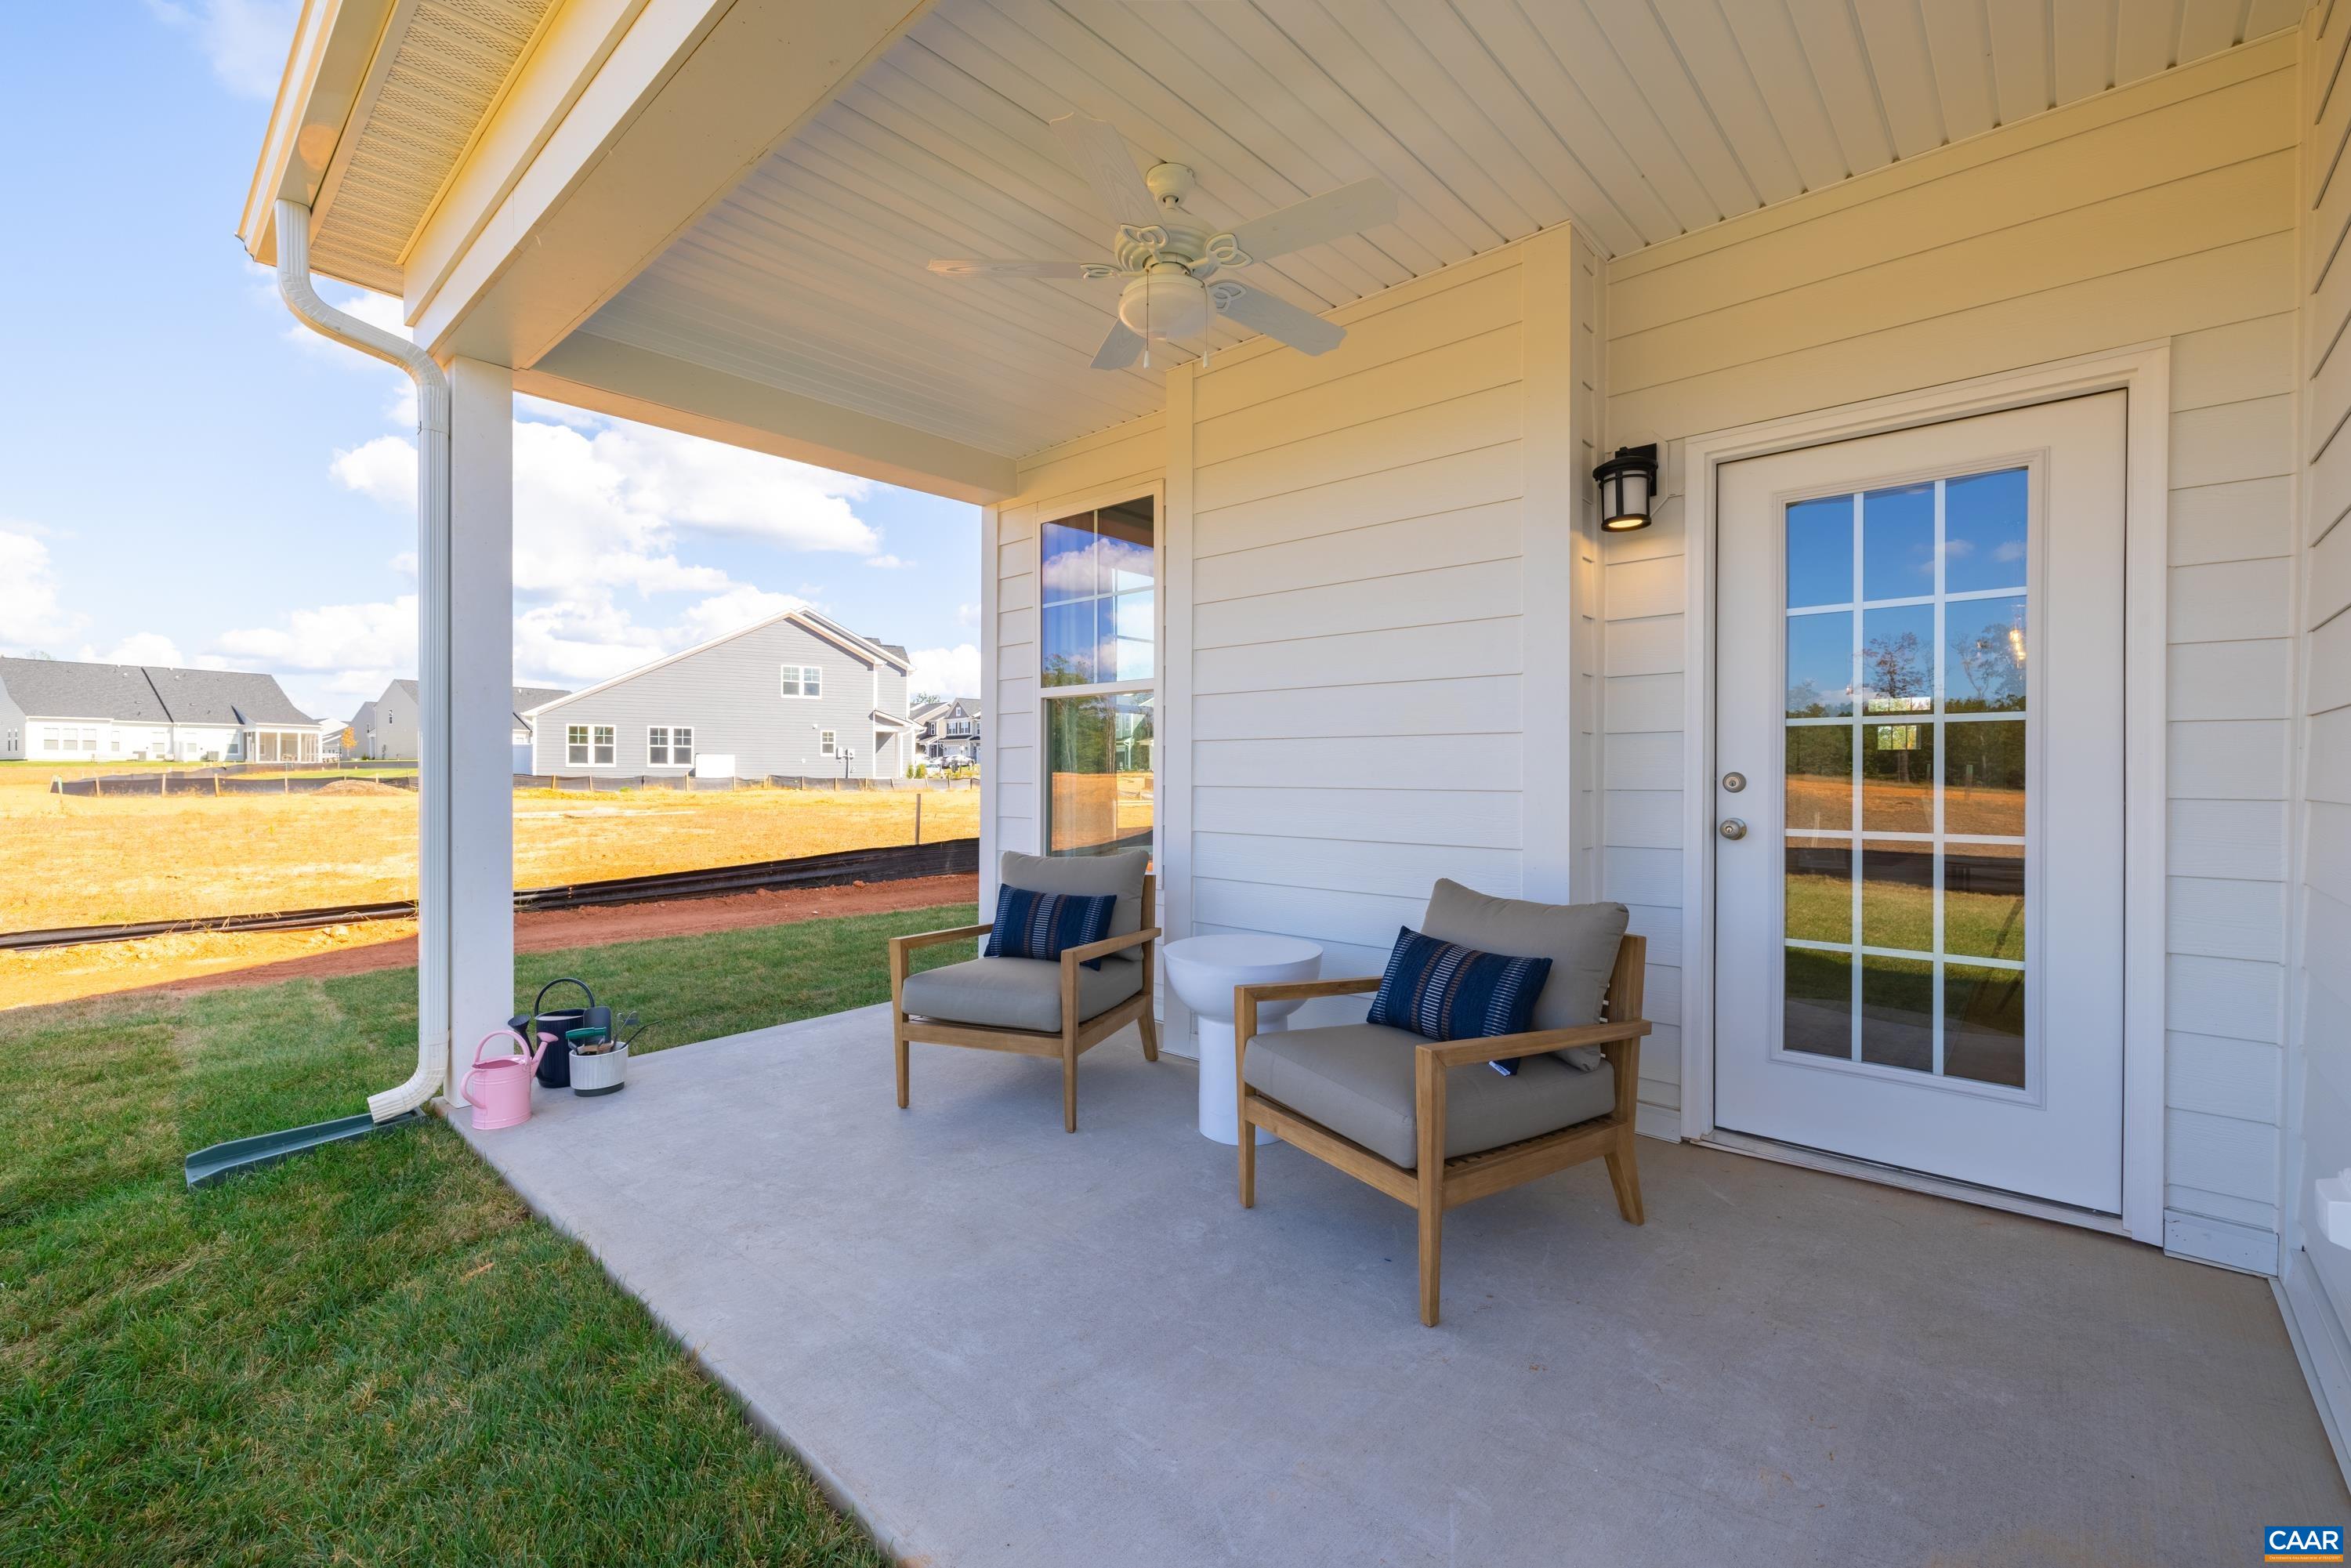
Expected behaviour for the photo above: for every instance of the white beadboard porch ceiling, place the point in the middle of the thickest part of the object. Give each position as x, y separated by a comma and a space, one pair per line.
1637, 120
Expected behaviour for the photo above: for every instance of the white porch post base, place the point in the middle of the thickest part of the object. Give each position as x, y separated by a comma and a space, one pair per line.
480, 664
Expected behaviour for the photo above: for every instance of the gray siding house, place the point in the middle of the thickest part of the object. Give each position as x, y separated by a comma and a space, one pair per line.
386, 727
795, 693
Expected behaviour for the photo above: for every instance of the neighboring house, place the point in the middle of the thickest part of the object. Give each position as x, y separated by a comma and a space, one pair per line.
66, 711
363, 728
386, 727
794, 694
948, 729
525, 698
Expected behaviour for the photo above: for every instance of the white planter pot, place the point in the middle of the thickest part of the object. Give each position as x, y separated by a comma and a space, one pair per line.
602, 1075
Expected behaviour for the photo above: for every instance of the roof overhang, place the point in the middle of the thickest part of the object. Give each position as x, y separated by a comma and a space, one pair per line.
713, 214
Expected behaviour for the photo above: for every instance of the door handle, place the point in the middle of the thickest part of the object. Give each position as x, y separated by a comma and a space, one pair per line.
1733, 828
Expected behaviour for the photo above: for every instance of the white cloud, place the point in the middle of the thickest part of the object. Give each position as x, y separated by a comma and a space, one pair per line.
967, 615
953, 671
333, 638
382, 470
245, 41
738, 606
31, 613
603, 510
140, 648
888, 562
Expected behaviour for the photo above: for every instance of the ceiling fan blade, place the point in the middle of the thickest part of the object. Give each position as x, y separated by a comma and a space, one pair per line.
962, 267
1100, 152
1118, 349
1280, 319
1334, 214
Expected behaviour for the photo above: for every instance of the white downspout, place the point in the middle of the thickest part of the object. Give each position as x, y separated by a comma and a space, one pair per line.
432, 644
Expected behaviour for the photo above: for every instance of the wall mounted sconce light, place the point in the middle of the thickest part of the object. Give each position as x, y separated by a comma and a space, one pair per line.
1629, 484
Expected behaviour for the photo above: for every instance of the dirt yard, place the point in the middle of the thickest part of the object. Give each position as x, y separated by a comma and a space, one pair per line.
69, 860
76, 860
188, 963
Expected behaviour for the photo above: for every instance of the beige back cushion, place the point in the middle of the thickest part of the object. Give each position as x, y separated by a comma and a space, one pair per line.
1120, 871
1580, 940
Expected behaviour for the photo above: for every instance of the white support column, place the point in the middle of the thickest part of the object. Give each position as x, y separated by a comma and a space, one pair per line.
477, 713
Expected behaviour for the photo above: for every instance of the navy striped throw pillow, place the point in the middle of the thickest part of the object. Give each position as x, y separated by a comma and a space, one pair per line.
1440, 990
1040, 924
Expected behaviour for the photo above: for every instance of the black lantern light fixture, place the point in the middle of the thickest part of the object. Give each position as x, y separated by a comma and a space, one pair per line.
1628, 482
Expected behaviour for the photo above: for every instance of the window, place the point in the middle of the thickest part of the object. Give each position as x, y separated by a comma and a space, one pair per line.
824, 743
1100, 667
578, 751
669, 746
803, 681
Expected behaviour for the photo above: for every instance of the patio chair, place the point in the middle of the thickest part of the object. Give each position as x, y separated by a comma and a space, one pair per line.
1036, 1006
1429, 1124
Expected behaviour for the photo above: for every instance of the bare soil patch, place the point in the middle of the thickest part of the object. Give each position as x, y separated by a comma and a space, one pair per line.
548, 931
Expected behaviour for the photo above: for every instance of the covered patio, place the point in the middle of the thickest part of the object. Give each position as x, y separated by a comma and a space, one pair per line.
1952, 685
995, 1344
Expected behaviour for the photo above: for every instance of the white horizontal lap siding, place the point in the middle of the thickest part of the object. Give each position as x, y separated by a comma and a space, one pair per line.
2163, 211
1360, 688
1368, 622
2317, 1002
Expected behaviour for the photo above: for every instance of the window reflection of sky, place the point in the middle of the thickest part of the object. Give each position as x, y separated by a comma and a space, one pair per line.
1820, 552
1984, 531
1898, 542
1819, 665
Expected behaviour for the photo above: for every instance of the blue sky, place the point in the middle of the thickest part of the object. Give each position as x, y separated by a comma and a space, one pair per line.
187, 477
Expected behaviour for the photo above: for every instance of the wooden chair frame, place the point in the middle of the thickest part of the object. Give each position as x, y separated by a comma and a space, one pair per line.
1437, 1184
1076, 1037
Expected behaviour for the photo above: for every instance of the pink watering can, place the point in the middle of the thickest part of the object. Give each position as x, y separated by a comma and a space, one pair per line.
500, 1087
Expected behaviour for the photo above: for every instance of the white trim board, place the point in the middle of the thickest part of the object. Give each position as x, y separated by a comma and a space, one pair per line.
2143, 372
2322, 1348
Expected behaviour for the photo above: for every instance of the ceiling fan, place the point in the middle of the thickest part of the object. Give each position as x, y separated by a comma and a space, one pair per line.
1170, 259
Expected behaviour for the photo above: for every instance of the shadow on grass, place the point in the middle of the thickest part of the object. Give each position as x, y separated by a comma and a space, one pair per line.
372, 1354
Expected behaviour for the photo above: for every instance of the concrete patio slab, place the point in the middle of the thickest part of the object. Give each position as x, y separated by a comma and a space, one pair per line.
1002, 1345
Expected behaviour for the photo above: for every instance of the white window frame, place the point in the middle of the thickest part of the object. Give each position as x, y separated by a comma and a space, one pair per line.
1157, 496
601, 737
576, 752
810, 678
828, 743
670, 745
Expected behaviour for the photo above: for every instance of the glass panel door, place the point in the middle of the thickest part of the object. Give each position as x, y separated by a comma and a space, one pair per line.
1918, 799
1907, 648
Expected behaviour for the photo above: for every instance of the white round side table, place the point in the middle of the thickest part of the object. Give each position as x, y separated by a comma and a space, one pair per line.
1204, 970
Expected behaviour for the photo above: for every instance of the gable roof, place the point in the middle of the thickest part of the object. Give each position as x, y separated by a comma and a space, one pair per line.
146, 694
864, 649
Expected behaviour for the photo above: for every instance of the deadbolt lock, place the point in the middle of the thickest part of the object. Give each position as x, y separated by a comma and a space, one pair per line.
1734, 782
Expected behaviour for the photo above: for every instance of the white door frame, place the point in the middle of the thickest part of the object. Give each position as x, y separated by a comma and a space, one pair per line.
2142, 371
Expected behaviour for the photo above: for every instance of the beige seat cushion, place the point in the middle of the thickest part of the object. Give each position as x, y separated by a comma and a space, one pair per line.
1580, 939
1017, 993
1356, 1079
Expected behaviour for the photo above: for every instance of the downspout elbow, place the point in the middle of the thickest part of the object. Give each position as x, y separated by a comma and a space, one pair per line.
301, 297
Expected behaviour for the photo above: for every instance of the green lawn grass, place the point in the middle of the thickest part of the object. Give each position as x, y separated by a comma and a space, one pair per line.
374, 1353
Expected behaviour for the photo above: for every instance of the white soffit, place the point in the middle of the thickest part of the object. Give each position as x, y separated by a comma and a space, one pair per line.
442, 67
1638, 120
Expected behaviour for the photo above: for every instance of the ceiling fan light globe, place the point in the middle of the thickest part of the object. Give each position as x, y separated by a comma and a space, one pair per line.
1166, 303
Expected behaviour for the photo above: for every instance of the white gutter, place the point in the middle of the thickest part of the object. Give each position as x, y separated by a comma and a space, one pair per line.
431, 645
